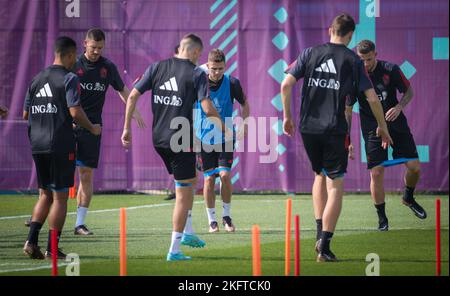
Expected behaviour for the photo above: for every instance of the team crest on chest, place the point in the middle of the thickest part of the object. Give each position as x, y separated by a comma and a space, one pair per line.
386, 79
103, 72
80, 72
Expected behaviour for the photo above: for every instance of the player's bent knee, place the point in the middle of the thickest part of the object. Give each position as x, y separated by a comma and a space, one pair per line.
377, 172
225, 178
414, 166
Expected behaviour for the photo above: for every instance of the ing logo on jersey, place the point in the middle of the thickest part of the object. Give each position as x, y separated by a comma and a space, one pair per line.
44, 109
168, 101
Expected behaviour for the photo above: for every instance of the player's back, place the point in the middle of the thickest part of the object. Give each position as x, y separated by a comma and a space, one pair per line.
174, 91
49, 123
330, 75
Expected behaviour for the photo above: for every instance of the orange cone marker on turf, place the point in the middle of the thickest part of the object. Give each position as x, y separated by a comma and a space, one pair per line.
123, 242
287, 255
73, 189
256, 253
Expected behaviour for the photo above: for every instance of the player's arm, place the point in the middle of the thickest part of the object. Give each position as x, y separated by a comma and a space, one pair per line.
26, 105
245, 113
72, 88
212, 114
348, 118
364, 85
394, 112
239, 95
286, 95
79, 116
124, 94
130, 107
294, 72
377, 110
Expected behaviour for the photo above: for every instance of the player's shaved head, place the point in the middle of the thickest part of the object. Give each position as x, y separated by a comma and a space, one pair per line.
64, 46
191, 42
95, 34
365, 46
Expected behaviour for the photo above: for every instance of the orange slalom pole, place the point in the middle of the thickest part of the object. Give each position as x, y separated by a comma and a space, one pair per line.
123, 242
287, 255
256, 252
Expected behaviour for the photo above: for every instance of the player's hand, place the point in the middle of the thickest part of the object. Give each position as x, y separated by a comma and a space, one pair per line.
96, 129
386, 139
288, 127
126, 138
140, 121
351, 154
393, 113
3, 112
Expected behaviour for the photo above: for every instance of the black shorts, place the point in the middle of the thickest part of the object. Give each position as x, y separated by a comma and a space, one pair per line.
404, 147
88, 148
328, 153
181, 164
55, 171
217, 157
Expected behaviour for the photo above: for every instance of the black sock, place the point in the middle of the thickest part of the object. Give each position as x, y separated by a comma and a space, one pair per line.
319, 229
381, 211
325, 241
33, 235
408, 194
49, 243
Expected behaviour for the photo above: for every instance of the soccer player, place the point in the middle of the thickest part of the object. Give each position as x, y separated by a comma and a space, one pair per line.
3, 112
387, 79
176, 84
52, 103
331, 73
96, 73
214, 157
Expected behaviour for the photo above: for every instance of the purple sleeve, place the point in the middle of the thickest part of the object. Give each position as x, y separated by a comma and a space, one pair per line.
73, 90
297, 68
201, 84
364, 82
399, 80
27, 102
236, 90
116, 80
145, 82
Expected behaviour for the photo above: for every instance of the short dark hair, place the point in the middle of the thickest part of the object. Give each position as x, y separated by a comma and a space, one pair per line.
216, 55
343, 24
95, 34
65, 45
194, 40
365, 46
176, 50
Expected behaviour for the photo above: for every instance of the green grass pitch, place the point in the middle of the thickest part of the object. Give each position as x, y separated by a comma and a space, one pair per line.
408, 248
